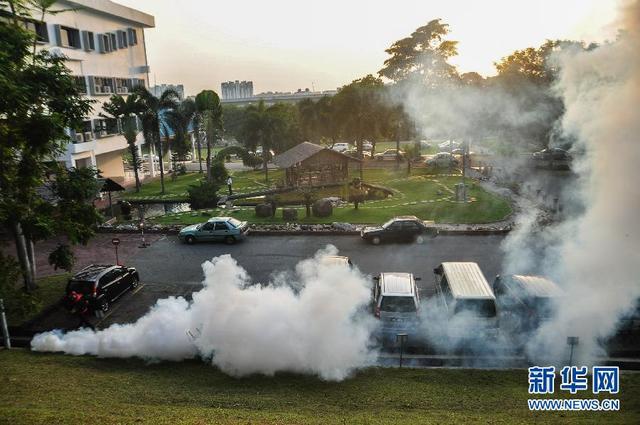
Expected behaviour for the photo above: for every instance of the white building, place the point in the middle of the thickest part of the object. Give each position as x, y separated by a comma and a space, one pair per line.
237, 89
105, 46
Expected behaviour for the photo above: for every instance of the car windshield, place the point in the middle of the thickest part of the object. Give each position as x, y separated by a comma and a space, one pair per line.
81, 287
479, 308
235, 222
398, 304
388, 223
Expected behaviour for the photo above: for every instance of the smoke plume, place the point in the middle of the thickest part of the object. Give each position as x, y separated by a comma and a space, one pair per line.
244, 328
598, 252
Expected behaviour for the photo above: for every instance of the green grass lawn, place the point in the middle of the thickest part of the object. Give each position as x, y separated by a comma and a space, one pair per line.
424, 195
54, 388
245, 181
50, 290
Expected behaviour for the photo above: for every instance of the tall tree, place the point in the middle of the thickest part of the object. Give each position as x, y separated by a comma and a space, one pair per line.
209, 112
262, 127
39, 101
361, 109
152, 109
180, 120
126, 111
423, 56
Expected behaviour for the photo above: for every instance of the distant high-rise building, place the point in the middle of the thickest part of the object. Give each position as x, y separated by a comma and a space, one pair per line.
237, 90
158, 89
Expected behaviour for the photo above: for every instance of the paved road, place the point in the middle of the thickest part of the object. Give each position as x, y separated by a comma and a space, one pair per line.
170, 268
169, 261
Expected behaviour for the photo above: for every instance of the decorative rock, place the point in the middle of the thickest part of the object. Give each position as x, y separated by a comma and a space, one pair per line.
345, 227
289, 214
263, 210
322, 208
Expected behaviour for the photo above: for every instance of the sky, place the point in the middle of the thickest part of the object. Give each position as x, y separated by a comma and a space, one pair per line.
283, 45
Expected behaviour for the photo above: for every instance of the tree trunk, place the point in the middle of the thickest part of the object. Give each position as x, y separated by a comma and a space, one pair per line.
31, 252
199, 151
209, 146
265, 167
398, 149
136, 161
161, 161
23, 257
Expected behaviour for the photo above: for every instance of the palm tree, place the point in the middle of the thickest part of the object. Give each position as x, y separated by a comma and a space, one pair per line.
126, 110
152, 110
209, 116
264, 125
180, 120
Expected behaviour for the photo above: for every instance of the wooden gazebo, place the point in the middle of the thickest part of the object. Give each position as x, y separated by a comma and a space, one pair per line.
308, 164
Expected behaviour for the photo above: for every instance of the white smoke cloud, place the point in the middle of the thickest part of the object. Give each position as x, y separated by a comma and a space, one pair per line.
596, 261
243, 328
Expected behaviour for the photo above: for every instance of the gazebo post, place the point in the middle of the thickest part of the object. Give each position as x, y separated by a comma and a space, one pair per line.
111, 205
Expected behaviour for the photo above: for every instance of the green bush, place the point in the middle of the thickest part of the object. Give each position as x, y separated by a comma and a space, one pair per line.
17, 302
204, 195
218, 173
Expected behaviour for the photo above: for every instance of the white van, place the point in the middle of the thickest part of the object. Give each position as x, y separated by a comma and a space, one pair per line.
463, 289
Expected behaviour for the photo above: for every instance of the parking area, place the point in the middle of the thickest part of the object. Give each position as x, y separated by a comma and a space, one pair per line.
170, 268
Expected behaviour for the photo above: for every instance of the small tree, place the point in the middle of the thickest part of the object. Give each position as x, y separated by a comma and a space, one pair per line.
309, 195
357, 194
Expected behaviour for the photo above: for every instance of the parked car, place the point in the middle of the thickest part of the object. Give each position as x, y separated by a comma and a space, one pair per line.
223, 229
399, 229
449, 145
367, 146
101, 285
525, 302
395, 302
463, 289
389, 154
336, 260
442, 160
354, 153
340, 147
552, 158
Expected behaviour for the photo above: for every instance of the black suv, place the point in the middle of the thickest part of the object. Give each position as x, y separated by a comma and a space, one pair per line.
103, 284
399, 229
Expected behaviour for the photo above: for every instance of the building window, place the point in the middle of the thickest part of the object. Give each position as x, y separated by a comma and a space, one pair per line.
88, 41
133, 36
114, 42
105, 127
122, 39
69, 37
81, 84
137, 82
102, 85
40, 30
123, 85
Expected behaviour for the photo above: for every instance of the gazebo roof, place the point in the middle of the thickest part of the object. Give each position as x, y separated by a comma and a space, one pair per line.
108, 185
300, 152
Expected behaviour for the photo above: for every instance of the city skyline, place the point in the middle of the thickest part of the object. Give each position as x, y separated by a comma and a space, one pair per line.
286, 45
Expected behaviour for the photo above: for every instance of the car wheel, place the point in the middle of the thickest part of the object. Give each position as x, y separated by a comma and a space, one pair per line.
190, 240
104, 306
229, 240
375, 240
134, 283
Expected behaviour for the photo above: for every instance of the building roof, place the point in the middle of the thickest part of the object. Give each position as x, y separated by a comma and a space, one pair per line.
537, 286
396, 284
467, 281
300, 152
116, 10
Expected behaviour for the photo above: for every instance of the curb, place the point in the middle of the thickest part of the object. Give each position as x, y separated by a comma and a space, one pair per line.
256, 232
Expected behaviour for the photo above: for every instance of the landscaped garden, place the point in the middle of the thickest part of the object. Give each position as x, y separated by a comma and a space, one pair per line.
427, 196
